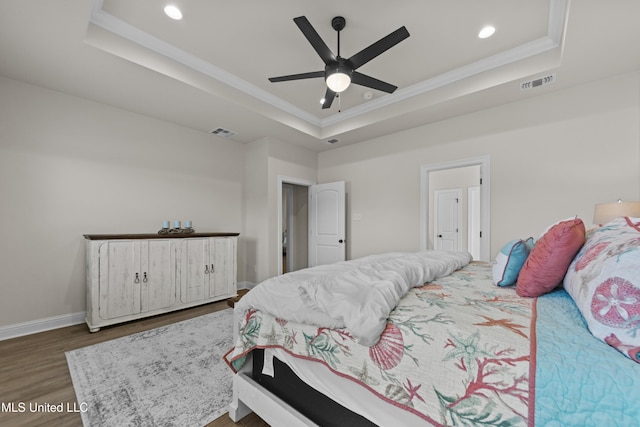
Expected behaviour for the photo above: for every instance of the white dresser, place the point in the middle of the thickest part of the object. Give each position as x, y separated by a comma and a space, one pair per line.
130, 276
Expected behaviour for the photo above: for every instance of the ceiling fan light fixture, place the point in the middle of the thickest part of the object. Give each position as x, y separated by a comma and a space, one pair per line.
340, 72
338, 80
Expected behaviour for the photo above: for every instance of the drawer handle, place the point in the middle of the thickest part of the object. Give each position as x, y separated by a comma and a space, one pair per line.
213, 269
144, 278
206, 269
137, 279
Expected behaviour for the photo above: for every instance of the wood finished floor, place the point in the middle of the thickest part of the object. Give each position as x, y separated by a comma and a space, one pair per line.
34, 369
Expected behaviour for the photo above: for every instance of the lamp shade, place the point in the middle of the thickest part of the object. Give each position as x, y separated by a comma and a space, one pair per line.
338, 81
605, 212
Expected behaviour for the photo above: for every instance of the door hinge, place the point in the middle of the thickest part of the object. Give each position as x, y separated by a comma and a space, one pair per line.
480, 181
457, 200
481, 234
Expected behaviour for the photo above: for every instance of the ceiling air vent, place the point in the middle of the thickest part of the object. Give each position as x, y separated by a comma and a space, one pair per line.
540, 81
332, 141
225, 133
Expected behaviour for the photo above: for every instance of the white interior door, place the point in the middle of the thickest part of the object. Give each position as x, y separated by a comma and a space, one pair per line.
447, 219
327, 217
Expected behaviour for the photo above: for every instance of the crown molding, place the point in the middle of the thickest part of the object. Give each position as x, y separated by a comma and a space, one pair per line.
558, 13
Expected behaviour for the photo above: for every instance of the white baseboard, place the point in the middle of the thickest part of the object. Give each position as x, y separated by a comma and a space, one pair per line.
40, 325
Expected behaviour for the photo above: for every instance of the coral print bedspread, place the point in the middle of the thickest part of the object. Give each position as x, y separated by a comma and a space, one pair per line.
460, 351
476, 337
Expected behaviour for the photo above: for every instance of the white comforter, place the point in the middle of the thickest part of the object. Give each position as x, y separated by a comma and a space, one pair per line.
357, 295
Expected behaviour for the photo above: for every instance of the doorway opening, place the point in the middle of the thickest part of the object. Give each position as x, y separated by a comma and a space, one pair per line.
455, 205
311, 223
294, 227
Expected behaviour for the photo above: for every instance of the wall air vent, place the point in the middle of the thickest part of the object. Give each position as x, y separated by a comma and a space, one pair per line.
537, 82
225, 133
332, 141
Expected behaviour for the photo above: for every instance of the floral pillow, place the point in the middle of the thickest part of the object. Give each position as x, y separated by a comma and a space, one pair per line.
604, 281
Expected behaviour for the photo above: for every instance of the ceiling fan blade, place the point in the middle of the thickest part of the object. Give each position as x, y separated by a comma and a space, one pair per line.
328, 99
385, 43
314, 38
300, 76
364, 80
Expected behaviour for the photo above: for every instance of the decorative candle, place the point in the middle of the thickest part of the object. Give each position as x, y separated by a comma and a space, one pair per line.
187, 224
176, 224
165, 224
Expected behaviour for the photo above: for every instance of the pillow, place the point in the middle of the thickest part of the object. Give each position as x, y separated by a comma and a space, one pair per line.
549, 259
603, 281
510, 260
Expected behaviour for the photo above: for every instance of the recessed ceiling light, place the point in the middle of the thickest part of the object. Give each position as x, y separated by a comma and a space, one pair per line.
173, 12
486, 32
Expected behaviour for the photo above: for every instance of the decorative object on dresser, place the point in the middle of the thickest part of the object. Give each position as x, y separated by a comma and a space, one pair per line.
130, 276
173, 375
187, 229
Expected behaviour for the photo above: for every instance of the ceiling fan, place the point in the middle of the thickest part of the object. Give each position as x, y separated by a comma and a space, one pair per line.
340, 72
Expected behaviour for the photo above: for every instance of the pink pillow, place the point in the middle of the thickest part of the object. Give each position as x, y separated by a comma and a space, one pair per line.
549, 259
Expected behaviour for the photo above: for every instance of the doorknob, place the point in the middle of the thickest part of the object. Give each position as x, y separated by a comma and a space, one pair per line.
340, 241
440, 236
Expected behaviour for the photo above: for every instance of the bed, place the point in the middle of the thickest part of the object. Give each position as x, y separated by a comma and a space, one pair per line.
435, 339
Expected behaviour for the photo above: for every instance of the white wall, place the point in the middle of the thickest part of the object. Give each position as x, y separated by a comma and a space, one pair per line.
552, 156
291, 162
70, 167
267, 159
256, 217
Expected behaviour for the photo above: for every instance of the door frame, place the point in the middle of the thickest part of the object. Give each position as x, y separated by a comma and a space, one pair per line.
473, 229
281, 179
485, 199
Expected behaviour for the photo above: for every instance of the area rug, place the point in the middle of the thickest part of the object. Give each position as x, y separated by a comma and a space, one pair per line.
170, 376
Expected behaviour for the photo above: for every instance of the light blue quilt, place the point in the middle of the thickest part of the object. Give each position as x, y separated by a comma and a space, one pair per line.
580, 381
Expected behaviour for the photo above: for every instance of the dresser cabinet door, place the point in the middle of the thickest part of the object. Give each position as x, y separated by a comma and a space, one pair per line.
119, 279
223, 265
158, 271
194, 270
